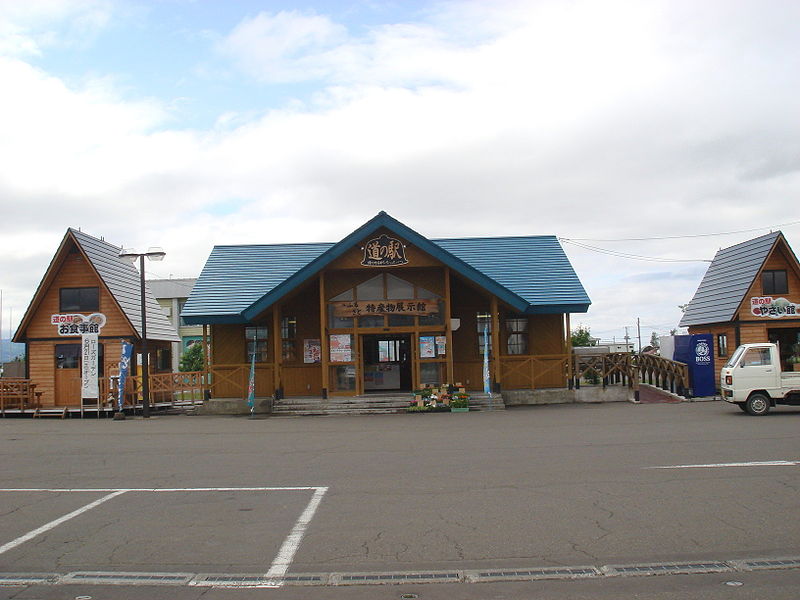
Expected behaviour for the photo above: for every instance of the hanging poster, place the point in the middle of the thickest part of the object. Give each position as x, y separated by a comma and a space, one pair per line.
89, 370
427, 346
312, 351
341, 350
441, 345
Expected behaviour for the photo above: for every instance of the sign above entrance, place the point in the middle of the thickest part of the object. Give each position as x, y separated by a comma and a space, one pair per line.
74, 324
385, 307
774, 308
384, 251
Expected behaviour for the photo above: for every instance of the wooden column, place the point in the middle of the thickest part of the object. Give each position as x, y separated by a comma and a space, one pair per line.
277, 349
568, 350
448, 315
495, 366
323, 336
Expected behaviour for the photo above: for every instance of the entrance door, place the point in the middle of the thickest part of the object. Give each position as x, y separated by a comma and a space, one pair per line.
68, 374
787, 339
387, 363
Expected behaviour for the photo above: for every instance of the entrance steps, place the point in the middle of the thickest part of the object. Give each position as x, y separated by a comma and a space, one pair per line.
368, 404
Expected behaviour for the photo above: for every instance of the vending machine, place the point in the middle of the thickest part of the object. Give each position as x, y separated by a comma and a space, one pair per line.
697, 351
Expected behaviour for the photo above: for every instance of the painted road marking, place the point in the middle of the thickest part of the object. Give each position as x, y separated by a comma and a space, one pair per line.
280, 565
763, 463
32, 534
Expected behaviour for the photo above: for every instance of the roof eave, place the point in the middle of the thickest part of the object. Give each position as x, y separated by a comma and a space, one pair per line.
382, 219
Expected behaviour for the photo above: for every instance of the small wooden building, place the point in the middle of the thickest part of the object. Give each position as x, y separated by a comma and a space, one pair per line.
88, 287
750, 294
387, 310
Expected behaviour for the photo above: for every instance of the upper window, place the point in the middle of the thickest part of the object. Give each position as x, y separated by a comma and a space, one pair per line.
256, 338
774, 282
79, 299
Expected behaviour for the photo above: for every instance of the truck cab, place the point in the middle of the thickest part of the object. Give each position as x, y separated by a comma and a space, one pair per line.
752, 379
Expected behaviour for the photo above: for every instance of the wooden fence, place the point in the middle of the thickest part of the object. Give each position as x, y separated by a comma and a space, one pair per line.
630, 369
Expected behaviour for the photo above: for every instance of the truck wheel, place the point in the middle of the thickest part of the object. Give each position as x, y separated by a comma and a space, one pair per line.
742, 405
757, 404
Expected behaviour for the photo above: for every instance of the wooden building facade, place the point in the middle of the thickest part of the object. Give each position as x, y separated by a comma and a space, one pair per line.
387, 310
750, 294
88, 288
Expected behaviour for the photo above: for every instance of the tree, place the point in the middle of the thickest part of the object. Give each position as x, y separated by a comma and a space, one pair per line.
654, 340
581, 336
192, 359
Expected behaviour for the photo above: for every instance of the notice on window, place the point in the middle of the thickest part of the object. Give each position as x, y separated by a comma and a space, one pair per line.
341, 348
312, 351
441, 345
427, 346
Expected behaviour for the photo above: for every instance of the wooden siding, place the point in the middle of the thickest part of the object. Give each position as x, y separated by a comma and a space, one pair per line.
74, 271
779, 260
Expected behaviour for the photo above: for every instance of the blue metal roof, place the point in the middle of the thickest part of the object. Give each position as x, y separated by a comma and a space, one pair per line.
532, 274
727, 280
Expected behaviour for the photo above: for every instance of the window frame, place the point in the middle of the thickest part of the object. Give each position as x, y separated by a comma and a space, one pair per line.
259, 346
81, 304
722, 344
769, 285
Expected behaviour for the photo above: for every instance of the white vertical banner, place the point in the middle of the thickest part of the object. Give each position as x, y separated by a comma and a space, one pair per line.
89, 368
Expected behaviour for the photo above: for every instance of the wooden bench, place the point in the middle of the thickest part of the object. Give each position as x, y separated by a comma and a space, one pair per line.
18, 394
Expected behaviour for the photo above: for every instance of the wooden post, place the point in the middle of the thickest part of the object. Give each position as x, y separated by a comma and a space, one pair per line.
277, 349
323, 336
495, 366
448, 315
568, 351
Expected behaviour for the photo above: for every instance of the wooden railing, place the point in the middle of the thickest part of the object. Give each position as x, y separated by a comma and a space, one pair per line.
630, 369
169, 388
18, 393
533, 371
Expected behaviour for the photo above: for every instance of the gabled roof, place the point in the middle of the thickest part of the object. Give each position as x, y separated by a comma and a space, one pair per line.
727, 280
531, 274
120, 278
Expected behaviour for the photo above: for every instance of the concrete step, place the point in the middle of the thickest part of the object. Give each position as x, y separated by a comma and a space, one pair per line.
344, 405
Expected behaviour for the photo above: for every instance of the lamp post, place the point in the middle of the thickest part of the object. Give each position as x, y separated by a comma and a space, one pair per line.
157, 254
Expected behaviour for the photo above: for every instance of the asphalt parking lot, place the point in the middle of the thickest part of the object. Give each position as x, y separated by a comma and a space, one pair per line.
329, 506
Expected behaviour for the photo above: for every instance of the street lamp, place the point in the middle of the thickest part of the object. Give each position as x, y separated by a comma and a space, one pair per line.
157, 254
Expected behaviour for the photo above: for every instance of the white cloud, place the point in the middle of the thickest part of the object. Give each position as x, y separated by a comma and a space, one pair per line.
609, 120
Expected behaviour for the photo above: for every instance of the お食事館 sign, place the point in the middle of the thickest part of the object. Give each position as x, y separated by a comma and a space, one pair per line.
773, 308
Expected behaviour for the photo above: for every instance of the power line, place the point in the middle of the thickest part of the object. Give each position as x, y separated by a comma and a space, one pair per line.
679, 237
630, 256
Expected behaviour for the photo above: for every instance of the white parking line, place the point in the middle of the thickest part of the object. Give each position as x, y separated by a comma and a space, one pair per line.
280, 565
290, 545
763, 463
32, 534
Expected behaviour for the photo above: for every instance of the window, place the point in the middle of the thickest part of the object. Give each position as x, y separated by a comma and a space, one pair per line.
68, 356
722, 344
79, 299
517, 335
484, 329
181, 304
757, 357
256, 343
774, 282
164, 359
288, 335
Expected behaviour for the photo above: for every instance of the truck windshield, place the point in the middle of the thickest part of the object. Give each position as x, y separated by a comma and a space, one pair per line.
733, 359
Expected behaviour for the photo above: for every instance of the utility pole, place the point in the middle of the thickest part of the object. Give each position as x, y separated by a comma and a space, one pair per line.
639, 329
627, 339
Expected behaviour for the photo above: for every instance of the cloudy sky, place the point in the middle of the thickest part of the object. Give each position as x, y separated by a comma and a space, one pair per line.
186, 124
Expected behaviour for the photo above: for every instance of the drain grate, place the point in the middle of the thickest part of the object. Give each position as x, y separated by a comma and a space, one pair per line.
362, 578
667, 568
129, 578
528, 574
27, 578
778, 563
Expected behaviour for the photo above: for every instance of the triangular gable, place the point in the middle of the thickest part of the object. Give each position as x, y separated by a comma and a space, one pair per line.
728, 279
383, 220
119, 278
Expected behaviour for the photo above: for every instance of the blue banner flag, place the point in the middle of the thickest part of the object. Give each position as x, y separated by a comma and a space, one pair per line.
487, 387
124, 366
251, 385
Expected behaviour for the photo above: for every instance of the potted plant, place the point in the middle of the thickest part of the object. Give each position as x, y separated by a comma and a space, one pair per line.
459, 402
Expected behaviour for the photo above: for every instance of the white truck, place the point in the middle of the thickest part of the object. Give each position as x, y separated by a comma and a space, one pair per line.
752, 379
